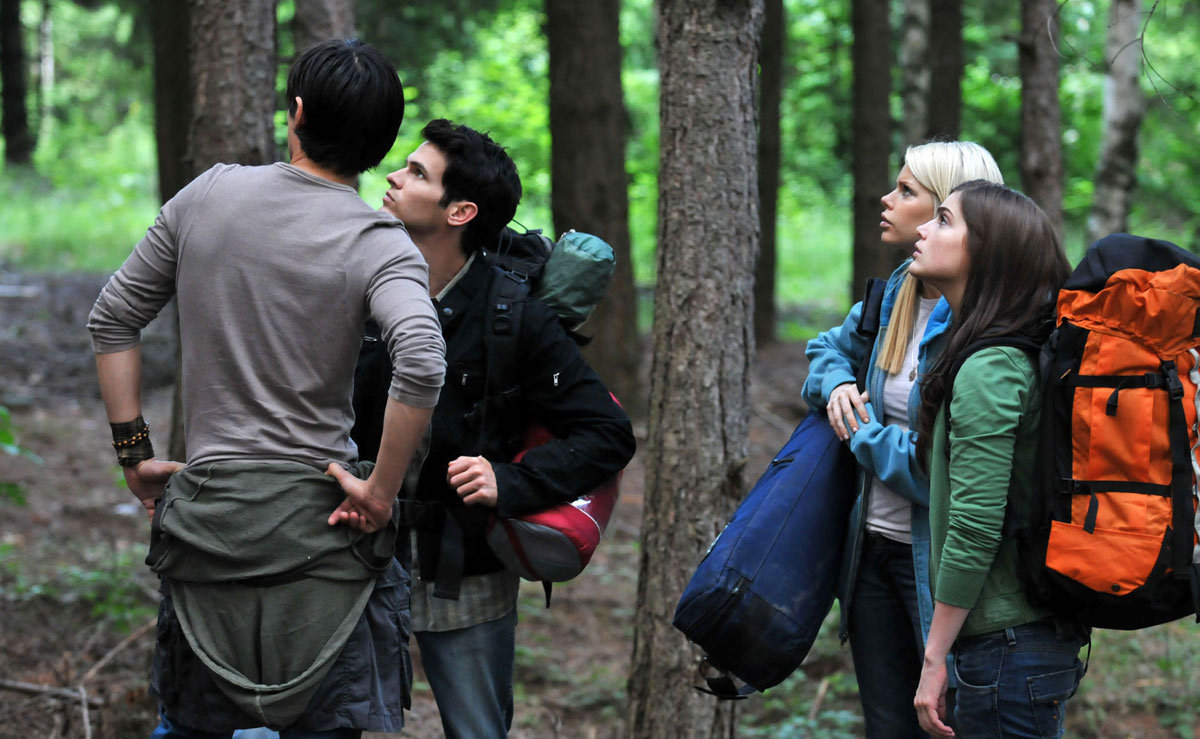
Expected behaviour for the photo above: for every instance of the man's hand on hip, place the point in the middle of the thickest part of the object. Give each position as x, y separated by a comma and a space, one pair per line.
148, 479
364, 508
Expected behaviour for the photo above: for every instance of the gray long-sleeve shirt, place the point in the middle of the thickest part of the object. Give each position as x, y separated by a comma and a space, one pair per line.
276, 271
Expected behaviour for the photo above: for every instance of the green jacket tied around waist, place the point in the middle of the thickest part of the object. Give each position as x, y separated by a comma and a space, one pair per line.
266, 591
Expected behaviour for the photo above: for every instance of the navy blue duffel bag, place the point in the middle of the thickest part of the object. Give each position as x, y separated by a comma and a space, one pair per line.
759, 596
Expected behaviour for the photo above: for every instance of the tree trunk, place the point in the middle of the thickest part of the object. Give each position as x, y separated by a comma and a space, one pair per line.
1041, 127
769, 97
1124, 107
587, 173
14, 86
45, 67
946, 69
871, 139
231, 48
320, 20
172, 103
914, 61
703, 341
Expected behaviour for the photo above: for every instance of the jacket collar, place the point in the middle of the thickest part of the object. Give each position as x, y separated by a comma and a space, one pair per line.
462, 293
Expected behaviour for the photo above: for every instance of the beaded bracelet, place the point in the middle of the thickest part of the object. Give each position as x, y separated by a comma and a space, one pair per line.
131, 439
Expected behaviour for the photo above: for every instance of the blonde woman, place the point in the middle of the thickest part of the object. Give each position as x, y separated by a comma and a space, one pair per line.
884, 591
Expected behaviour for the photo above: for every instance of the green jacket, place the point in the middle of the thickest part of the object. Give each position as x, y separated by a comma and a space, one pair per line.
995, 408
265, 590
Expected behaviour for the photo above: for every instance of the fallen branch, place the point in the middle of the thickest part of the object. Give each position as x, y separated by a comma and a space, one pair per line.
115, 650
51, 690
83, 706
822, 689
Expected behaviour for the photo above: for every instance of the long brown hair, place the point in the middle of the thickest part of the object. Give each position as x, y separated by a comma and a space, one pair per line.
1015, 267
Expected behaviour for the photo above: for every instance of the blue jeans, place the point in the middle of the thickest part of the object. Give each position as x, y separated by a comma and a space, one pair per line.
885, 638
471, 673
168, 730
1015, 682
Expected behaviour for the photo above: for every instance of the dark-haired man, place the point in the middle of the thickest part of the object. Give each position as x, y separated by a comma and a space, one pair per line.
282, 604
454, 195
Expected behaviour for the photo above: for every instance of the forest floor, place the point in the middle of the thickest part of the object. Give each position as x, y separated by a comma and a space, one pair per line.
77, 606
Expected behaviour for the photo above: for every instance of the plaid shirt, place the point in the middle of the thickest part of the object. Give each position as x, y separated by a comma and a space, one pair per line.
482, 598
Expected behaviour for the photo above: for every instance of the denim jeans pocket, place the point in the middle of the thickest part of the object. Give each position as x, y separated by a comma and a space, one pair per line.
1048, 696
976, 700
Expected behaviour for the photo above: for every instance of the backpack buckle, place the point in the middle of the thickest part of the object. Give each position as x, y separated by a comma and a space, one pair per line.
1174, 386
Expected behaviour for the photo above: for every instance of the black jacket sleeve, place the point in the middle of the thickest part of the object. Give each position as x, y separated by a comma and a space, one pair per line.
593, 437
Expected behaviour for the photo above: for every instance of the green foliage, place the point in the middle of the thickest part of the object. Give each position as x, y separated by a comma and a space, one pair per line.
819, 699
1153, 671
484, 62
114, 588
92, 193
11, 492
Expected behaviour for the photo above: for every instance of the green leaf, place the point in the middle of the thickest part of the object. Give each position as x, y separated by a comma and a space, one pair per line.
10, 492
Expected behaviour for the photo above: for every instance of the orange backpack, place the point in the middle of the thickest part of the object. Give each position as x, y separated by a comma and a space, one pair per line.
1115, 540
1111, 539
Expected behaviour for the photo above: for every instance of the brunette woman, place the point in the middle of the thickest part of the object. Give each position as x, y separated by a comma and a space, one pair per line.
997, 260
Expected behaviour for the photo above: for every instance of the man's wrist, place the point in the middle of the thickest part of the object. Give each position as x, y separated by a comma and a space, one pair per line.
131, 440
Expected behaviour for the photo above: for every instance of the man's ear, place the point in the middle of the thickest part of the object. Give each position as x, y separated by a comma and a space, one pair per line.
461, 212
298, 118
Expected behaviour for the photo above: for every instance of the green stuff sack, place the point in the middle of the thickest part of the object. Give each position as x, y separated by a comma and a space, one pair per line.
576, 276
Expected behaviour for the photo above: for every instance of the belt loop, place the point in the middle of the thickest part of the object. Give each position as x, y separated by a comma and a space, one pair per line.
1011, 636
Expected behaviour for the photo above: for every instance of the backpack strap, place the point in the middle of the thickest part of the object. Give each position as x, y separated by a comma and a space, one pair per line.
1031, 347
506, 308
868, 322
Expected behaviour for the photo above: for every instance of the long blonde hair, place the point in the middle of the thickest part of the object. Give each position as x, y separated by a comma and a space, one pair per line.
940, 166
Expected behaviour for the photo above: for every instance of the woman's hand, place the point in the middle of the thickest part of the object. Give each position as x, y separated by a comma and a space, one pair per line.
846, 403
930, 700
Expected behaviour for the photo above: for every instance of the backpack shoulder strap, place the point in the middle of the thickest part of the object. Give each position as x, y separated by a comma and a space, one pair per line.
1024, 343
502, 327
868, 322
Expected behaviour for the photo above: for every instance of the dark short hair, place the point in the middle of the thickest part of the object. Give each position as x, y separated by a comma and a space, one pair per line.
479, 170
353, 105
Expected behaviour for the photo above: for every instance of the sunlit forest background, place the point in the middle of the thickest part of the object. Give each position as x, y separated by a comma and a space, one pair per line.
91, 189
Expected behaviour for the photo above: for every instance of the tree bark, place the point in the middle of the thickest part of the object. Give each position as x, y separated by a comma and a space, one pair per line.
587, 174
172, 102
946, 69
915, 71
231, 48
770, 95
1041, 117
14, 86
703, 341
1124, 107
871, 138
320, 20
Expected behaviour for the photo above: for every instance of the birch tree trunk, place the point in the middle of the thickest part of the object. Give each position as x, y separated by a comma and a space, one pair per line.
703, 341
587, 173
914, 59
769, 97
871, 139
320, 20
1041, 116
231, 48
1124, 107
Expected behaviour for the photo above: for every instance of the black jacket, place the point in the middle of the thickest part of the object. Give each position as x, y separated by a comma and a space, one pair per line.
554, 386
